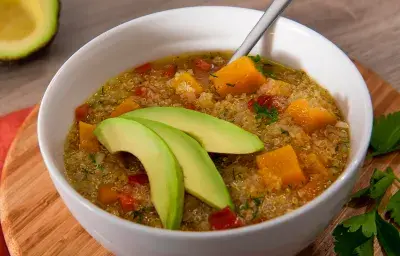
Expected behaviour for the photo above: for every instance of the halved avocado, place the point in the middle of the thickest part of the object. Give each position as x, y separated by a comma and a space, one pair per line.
26, 26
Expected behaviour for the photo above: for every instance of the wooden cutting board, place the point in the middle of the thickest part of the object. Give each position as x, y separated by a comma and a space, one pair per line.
36, 221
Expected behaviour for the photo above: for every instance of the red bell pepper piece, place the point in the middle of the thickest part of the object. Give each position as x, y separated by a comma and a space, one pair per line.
224, 219
170, 70
82, 112
202, 64
143, 68
140, 178
127, 202
140, 91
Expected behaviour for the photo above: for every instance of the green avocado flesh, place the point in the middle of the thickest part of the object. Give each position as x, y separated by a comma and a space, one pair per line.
214, 134
26, 26
201, 177
163, 170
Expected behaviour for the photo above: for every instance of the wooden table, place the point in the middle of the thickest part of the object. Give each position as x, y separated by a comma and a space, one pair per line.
368, 30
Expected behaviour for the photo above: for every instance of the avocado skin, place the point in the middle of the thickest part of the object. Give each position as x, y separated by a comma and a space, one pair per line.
39, 51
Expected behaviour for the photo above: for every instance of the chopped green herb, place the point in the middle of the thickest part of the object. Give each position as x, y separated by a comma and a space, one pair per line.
256, 58
263, 112
386, 134
231, 85
92, 158
269, 73
257, 202
213, 75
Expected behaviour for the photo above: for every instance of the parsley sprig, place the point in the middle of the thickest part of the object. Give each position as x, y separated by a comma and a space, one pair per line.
386, 134
355, 235
260, 66
271, 114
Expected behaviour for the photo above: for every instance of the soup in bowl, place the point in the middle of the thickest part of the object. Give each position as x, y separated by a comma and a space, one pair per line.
151, 137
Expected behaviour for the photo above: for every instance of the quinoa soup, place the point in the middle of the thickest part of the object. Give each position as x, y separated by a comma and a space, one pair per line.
305, 138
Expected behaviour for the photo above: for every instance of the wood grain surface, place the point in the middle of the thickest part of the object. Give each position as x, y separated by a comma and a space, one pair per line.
36, 221
367, 30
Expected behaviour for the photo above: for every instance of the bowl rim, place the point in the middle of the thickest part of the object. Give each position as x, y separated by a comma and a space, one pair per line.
57, 177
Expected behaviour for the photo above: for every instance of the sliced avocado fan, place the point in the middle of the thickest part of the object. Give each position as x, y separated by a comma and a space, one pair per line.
162, 168
215, 135
201, 177
26, 26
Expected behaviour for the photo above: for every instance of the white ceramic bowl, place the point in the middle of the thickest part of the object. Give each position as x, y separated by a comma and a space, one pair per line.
203, 29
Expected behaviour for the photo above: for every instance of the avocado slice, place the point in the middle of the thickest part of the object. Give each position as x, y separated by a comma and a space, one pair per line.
26, 27
215, 135
201, 177
165, 174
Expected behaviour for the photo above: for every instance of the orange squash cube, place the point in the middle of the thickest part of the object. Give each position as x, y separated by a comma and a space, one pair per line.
106, 195
311, 119
87, 140
240, 76
126, 106
313, 165
281, 162
185, 82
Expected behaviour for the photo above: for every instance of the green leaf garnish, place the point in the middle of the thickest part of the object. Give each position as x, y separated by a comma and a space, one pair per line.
213, 75
355, 235
263, 112
388, 236
346, 242
366, 249
365, 222
386, 134
256, 58
393, 207
379, 183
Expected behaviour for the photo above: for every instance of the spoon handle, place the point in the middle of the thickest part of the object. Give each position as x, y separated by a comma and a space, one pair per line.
268, 18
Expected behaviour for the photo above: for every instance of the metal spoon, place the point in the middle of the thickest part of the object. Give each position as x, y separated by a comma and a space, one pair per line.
268, 18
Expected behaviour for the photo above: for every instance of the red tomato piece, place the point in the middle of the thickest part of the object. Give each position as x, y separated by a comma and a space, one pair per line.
82, 112
140, 178
140, 91
143, 68
170, 70
224, 219
265, 101
202, 64
127, 202
190, 106
250, 105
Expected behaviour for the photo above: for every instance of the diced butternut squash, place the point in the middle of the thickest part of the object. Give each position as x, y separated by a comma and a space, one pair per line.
313, 165
311, 119
126, 106
312, 188
276, 87
87, 140
106, 194
283, 163
185, 82
240, 76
